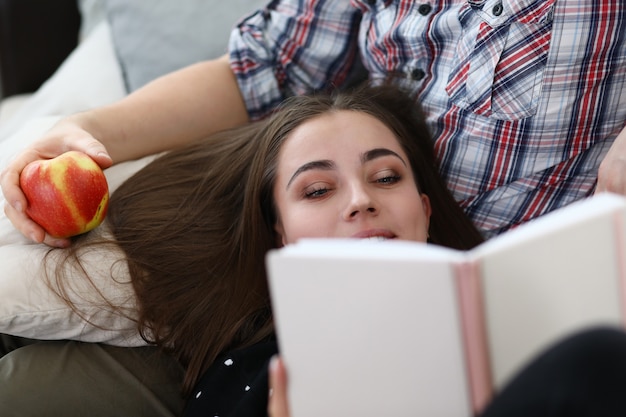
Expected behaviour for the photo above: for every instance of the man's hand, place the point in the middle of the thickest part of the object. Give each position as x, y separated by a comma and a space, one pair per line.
612, 171
61, 138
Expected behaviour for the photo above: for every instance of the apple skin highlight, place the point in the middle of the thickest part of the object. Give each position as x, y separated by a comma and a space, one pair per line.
67, 195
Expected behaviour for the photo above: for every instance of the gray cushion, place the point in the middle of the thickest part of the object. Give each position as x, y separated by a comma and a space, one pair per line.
154, 37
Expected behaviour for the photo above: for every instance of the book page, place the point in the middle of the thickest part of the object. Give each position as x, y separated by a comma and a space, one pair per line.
557, 275
362, 334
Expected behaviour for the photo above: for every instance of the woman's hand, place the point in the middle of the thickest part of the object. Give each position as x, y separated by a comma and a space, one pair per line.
278, 406
612, 171
62, 137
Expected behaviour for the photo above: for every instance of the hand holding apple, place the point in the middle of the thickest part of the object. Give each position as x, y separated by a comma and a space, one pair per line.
67, 195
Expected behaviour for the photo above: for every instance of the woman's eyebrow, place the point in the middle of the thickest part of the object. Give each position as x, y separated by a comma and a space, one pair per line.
378, 153
323, 164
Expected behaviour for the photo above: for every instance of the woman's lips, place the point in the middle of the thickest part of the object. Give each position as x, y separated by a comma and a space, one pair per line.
374, 233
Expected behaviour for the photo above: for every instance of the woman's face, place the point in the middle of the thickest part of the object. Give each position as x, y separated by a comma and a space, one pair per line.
344, 174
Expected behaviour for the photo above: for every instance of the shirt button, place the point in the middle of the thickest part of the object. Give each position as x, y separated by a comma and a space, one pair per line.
418, 74
424, 9
497, 9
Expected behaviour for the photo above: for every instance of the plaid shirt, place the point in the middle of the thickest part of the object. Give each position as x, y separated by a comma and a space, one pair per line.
523, 97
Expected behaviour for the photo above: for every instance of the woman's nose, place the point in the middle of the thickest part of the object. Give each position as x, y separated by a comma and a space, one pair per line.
361, 203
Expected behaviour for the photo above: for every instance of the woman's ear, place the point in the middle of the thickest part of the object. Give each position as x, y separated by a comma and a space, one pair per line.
280, 234
426, 204
427, 211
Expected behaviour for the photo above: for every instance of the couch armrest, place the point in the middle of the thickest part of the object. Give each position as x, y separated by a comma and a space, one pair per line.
35, 37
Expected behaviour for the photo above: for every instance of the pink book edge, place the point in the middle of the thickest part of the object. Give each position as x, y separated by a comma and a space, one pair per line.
475, 346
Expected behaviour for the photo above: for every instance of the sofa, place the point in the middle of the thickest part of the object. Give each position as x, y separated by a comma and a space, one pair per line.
58, 57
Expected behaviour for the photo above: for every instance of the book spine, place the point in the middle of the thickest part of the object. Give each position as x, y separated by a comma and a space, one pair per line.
476, 348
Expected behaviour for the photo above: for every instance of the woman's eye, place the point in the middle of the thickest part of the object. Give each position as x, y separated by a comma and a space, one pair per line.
388, 179
316, 192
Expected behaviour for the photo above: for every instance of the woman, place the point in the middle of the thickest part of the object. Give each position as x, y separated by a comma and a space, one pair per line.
352, 165
196, 223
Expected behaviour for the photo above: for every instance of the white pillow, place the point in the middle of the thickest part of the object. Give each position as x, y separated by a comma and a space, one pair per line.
29, 308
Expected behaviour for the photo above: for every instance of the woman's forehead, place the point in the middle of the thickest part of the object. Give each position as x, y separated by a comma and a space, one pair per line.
341, 131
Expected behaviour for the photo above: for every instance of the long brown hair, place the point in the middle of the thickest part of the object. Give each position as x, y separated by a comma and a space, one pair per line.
195, 251
196, 223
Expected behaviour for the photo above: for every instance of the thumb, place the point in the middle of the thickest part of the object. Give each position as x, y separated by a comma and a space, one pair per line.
278, 406
96, 150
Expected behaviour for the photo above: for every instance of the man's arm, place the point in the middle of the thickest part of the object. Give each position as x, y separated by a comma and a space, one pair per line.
182, 106
169, 112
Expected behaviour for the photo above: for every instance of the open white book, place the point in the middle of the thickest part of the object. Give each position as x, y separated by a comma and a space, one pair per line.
408, 329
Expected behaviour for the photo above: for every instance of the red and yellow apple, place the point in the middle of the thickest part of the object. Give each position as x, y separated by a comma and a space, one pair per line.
67, 195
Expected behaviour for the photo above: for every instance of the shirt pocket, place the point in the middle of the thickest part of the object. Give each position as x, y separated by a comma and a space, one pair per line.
500, 59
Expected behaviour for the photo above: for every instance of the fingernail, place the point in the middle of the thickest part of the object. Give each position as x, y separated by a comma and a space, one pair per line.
61, 243
18, 206
274, 363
